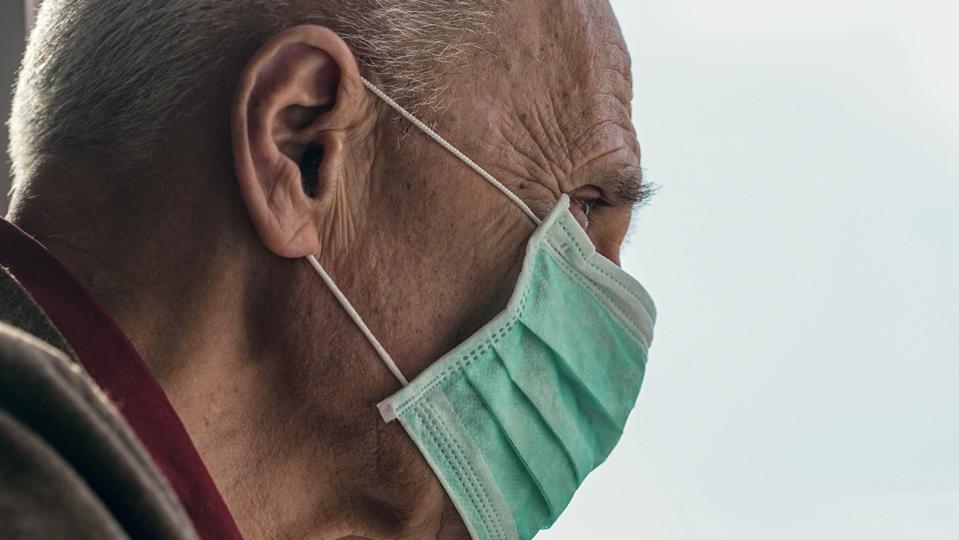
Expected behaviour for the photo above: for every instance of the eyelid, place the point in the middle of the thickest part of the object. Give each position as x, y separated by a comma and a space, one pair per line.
623, 184
588, 192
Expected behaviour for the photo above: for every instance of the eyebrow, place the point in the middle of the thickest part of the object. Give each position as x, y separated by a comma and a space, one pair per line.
627, 185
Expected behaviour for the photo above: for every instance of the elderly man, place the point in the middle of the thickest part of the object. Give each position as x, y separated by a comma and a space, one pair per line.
248, 291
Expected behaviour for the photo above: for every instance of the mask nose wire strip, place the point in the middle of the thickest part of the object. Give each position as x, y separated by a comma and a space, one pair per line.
341, 298
452, 149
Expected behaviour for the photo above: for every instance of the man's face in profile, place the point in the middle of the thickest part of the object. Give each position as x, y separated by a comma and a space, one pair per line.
282, 154
547, 112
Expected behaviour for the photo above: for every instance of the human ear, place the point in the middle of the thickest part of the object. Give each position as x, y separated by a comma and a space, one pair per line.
295, 101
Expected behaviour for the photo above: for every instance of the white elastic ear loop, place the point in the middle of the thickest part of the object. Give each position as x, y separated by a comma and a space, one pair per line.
452, 149
341, 298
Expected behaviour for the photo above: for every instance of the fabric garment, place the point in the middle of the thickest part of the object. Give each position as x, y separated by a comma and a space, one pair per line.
513, 419
92, 446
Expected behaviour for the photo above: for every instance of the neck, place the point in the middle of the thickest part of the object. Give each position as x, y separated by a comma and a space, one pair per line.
293, 454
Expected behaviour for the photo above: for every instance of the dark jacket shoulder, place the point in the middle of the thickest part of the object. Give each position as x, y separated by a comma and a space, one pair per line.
70, 466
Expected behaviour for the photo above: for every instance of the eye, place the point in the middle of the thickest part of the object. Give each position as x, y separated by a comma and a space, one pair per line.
581, 208
584, 206
584, 202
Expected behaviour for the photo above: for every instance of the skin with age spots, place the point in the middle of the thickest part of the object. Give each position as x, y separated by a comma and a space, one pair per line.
199, 257
567, 129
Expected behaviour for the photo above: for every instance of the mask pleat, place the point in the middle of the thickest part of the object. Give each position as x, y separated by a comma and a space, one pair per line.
508, 468
594, 422
465, 475
570, 409
533, 367
527, 433
581, 341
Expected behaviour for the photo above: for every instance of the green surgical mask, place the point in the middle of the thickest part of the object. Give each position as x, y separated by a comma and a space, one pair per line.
513, 419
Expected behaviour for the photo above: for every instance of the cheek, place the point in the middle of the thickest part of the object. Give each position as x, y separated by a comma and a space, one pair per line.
471, 272
444, 242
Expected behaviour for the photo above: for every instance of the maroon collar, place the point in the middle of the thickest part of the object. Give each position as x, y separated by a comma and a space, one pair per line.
111, 360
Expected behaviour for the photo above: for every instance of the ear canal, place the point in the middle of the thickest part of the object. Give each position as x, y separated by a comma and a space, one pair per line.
309, 170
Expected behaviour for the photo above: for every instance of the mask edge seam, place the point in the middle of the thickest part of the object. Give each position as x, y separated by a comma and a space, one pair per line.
596, 267
472, 483
465, 360
633, 327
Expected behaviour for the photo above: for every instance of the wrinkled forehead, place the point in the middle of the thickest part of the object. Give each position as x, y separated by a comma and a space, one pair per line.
561, 59
565, 44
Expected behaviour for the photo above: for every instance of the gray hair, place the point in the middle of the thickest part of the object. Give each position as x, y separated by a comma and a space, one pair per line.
111, 78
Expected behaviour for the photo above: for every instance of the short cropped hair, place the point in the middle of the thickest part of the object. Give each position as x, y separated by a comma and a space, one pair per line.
111, 78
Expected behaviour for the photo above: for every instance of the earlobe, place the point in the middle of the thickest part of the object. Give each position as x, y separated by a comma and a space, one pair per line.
294, 101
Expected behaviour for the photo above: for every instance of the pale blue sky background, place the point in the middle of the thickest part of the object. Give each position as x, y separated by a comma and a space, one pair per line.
803, 253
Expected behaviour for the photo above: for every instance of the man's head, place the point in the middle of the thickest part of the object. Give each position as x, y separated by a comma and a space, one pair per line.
193, 152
